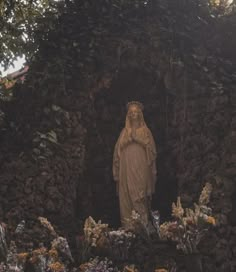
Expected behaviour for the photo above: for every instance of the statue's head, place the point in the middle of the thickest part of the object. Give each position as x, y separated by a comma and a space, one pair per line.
135, 104
134, 112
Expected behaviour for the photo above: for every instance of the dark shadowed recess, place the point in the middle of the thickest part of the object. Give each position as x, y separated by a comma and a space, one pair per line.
110, 111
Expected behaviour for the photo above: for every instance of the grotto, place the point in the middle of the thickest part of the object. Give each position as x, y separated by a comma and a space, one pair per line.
60, 129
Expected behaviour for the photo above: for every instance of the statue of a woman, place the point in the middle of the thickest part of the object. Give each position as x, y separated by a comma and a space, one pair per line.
134, 165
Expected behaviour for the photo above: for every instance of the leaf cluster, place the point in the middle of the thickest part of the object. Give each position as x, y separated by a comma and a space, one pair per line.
22, 24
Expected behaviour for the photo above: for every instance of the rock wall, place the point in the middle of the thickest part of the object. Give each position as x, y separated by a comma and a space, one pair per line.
202, 139
43, 180
193, 124
57, 151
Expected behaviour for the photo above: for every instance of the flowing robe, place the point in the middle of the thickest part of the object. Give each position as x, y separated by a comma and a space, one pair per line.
134, 170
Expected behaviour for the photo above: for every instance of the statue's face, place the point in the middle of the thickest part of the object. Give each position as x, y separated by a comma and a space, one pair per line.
133, 113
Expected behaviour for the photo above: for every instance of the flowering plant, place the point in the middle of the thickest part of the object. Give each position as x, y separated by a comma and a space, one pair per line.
190, 225
44, 222
98, 265
56, 267
120, 242
136, 225
93, 231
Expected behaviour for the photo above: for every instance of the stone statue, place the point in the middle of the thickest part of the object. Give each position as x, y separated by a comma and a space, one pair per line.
134, 165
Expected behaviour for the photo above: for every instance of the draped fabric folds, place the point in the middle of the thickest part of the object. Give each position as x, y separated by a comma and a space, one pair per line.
134, 170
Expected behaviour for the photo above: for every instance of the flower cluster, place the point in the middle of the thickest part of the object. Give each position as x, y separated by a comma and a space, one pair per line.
54, 263
136, 224
22, 256
177, 210
133, 219
7, 83
56, 267
167, 230
43, 260
120, 237
205, 194
93, 231
53, 253
61, 245
39, 259
47, 225
120, 242
190, 225
98, 265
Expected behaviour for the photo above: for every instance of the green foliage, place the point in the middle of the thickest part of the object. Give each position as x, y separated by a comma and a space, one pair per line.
87, 39
220, 8
22, 24
25, 23
6, 88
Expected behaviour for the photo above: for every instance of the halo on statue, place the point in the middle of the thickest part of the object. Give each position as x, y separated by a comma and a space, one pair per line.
135, 103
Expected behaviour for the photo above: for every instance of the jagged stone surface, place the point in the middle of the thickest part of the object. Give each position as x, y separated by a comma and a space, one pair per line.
57, 152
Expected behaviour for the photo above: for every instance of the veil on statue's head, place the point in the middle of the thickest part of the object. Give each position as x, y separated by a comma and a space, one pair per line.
140, 108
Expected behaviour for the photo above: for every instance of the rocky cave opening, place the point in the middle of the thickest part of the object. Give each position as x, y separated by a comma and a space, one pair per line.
101, 200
